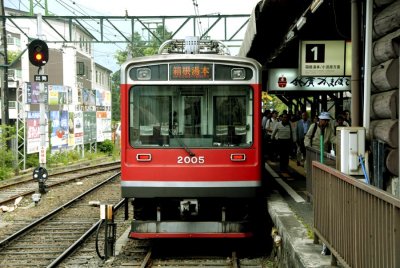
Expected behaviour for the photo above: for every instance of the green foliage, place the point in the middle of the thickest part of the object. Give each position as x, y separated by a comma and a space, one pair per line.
140, 47
116, 97
106, 147
6, 165
61, 157
12, 55
137, 48
32, 160
6, 156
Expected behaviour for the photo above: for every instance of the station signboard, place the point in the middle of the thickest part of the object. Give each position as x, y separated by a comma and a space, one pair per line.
325, 58
281, 80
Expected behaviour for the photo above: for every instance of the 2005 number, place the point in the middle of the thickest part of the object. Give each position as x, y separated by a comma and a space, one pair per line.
191, 160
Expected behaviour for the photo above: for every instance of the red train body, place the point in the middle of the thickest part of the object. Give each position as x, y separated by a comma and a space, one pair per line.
190, 144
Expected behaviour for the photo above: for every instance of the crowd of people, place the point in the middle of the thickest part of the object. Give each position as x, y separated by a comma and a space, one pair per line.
287, 135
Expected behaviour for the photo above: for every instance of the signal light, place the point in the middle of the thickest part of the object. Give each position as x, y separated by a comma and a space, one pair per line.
38, 52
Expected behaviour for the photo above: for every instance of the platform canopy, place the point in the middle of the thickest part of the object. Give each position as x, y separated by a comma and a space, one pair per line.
276, 26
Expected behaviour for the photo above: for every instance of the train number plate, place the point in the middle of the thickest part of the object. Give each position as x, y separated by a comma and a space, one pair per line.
191, 160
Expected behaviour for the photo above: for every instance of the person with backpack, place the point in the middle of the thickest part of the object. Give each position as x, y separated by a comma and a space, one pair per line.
313, 135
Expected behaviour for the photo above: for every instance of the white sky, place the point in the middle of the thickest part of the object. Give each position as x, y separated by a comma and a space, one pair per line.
166, 7
104, 53
140, 7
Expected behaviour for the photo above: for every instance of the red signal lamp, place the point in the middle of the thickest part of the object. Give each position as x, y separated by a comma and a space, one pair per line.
38, 52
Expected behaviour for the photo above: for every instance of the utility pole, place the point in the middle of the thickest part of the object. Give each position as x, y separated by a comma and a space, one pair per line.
4, 70
43, 100
38, 3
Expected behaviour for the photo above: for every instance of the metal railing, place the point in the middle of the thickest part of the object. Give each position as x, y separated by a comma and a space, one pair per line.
314, 155
359, 223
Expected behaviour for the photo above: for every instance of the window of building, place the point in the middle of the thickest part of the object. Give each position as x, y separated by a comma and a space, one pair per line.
80, 68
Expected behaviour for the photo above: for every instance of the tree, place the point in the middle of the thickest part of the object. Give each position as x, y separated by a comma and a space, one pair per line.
137, 48
115, 96
140, 47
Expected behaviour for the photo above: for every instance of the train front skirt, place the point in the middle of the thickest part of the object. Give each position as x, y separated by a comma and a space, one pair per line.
179, 229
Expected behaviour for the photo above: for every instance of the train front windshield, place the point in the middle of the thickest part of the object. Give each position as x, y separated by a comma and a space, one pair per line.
195, 116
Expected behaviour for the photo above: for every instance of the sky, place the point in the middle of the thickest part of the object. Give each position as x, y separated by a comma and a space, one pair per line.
103, 54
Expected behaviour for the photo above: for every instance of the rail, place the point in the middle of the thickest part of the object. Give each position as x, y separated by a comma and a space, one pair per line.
359, 223
314, 155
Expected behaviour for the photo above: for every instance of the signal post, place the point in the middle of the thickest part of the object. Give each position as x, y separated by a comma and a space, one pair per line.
39, 56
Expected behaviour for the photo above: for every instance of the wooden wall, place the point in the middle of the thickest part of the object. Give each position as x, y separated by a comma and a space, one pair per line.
385, 80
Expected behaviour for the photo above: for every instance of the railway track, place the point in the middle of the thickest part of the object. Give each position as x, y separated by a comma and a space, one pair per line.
10, 191
51, 238
185, 254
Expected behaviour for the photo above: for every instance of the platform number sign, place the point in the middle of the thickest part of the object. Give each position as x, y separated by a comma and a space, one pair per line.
322, 58
315, 53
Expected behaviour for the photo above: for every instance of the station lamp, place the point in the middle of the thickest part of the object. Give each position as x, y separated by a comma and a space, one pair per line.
38, 52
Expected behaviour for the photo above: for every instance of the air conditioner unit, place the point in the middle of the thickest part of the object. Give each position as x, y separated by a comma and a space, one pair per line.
12, 75
350, 144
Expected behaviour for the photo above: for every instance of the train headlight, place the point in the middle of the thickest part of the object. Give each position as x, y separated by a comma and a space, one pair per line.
238, 74
143, 74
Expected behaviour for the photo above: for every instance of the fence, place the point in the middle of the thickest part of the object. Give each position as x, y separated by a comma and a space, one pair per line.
314, 155
358, 222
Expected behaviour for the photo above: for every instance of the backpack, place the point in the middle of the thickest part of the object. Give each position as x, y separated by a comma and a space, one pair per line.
313, 134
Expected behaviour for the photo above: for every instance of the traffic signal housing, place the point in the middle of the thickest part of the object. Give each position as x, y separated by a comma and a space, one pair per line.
38, 52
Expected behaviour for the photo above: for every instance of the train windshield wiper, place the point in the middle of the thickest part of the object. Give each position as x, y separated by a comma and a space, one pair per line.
182, 144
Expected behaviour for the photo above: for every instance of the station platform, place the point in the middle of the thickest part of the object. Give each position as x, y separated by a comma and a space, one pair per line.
292, 215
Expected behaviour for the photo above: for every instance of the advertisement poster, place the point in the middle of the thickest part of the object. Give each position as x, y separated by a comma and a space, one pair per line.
57, 95
89, 127
103, 97
33, 93
89, 97
103, 120
71, 129
78, 127
33, 132
59, 130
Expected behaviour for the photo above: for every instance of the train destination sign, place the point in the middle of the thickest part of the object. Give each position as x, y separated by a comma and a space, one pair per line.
291, 80
191, 71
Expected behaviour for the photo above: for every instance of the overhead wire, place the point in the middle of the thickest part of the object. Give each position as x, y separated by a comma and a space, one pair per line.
74, 11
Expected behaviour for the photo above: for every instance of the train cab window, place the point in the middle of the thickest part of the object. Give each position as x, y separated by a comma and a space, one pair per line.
193, 116
230, 116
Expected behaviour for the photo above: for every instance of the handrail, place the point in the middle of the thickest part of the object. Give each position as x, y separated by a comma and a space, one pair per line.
358, 222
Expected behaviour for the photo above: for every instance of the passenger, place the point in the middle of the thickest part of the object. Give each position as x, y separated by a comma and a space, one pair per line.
265, 116
301, 130
283, 132
312, 138
293, 119
271, 144
315, 119
346, 116
340, 122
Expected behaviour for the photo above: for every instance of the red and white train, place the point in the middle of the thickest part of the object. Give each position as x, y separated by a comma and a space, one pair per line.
191, 160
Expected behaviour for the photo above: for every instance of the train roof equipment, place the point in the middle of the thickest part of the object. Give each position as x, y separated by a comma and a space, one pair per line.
193, 45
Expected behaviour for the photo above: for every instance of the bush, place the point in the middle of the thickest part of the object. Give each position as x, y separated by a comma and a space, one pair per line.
6, 157
32, 160
106, 146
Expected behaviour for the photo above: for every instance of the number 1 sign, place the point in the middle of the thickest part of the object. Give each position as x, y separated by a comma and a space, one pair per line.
322, 58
